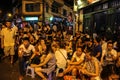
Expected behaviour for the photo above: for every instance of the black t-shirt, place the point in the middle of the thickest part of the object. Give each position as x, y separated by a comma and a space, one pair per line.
97, 49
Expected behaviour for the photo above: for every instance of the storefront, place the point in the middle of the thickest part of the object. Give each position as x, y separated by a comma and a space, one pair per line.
102, 17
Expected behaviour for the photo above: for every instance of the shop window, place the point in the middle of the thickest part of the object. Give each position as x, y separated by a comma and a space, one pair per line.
105, 6
33, 7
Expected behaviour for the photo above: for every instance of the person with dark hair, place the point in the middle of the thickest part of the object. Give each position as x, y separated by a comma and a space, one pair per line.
75, 63
97, 50
8, 36
41, 44
118, 59
88, 44
68, 47
74, 41
24, 53
92, 67
61, 56
50, 62
39, 56
108, 59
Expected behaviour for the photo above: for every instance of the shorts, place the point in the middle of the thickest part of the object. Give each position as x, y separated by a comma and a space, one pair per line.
9, 50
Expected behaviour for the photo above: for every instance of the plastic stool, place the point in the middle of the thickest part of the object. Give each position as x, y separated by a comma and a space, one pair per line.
30, 72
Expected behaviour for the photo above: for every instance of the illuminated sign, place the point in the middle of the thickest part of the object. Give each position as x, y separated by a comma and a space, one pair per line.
83, 3
31, 18
93, 1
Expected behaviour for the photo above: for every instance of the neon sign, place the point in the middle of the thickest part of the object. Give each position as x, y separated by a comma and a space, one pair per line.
31, 18
93, 1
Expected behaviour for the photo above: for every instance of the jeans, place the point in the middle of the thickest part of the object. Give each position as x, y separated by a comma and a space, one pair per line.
23, 64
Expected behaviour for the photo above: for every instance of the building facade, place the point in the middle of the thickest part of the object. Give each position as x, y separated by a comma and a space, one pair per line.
98, 16
103, 18
41, 10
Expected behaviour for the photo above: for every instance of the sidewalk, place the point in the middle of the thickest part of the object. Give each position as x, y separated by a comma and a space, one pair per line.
11, 72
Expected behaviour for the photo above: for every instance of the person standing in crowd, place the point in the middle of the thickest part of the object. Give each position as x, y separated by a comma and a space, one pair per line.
8, 40
1, 50
24, 53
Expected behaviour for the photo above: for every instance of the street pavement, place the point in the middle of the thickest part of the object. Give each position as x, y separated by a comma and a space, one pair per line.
11, 72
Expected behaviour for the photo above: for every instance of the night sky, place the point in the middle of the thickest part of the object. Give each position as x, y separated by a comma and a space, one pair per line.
5, 5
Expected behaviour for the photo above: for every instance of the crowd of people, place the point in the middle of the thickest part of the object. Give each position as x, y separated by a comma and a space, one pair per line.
48, 49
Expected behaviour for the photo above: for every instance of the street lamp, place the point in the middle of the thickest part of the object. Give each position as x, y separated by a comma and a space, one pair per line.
9, 15
79, 2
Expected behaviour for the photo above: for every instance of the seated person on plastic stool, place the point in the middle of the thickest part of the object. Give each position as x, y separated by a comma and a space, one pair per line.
36, 58
50, 62
24, 53
39, 55
91, 68
75, 63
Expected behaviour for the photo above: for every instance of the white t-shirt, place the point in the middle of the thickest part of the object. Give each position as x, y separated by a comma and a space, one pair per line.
80, 57
113, 52
61, 61
28, 50
8, 36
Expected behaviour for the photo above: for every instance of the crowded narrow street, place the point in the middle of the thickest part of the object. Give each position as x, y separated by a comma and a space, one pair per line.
59, 39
